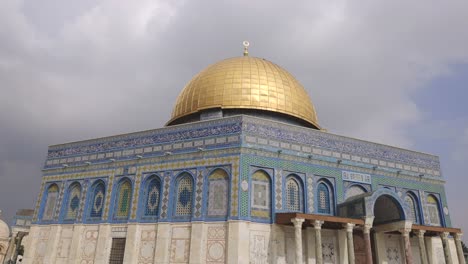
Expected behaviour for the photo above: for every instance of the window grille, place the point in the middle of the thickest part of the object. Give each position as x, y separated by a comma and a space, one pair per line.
124, 200
97, 201
323, 199
412, 204
260, 195
433, 209
117, 251
52, 195
292, 196
152, 198
218, 193
184, 197
73, 202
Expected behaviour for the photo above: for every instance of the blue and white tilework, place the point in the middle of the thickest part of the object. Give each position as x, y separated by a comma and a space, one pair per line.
310, 194
278, 192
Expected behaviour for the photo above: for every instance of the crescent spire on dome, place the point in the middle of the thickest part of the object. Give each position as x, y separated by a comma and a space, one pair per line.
245, 83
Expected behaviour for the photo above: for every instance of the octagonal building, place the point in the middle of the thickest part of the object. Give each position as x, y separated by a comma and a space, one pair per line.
241, 173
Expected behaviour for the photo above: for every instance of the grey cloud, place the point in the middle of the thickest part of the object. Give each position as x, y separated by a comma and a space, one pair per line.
72, 71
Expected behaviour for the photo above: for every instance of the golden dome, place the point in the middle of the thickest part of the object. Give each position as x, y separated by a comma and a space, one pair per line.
245, 83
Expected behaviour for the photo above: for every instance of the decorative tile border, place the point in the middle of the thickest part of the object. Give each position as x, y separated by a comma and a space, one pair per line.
145, 139
222, 133
279, 187
331, 145
199, 194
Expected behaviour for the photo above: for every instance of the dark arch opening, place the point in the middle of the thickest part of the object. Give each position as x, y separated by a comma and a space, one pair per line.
387, 209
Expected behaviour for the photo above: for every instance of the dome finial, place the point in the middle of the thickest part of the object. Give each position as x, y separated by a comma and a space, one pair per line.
246, 47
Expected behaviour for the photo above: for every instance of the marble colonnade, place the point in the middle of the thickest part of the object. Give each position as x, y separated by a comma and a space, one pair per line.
317, 224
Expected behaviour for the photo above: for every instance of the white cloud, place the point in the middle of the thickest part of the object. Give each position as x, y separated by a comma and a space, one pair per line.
460, 153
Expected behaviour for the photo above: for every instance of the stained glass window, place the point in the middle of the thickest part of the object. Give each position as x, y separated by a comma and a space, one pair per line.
218, 193
433, 209
74, 196
413, 206
152, 197
51, 200
184, 196
97, 204
293, 202
124, 197
260, 203
323, 192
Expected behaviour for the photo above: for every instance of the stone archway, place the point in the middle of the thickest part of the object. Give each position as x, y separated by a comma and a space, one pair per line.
389, 216
387, 209
383, 210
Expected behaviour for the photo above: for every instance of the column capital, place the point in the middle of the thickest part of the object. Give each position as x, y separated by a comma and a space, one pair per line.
444, 235
458, 236
297, 221
368, 221
421, 233
405, 232
318, 224
349, 227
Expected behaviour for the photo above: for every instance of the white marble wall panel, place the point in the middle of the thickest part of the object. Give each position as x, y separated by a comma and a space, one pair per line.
415, 250
40, 247
147, 245
64, 244
330, 251
88, 244
259, 242
216, 244
180, 244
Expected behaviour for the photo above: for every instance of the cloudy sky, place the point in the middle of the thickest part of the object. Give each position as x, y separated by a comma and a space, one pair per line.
394, 72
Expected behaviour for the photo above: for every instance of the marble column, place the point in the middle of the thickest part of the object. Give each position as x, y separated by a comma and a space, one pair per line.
350, 242
367, 241
318, 241
298, 238
445, 244
422, 247
458, 244
406, 239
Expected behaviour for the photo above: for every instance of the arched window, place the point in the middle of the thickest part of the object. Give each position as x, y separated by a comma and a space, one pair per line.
97, 200
293, 195
260, 195
433, 209
412, 203
218, 186
73, 203
51, 201
124, 199
353, 191
153, 195
324, 198
184, 195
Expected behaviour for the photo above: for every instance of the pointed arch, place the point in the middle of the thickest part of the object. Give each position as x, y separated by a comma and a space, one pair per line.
183, 199
294, 194
50, 202
412, 202
123, 199
96, 201
325, 201
218, 191
433, 209
152, 196
260, 205
73, 201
